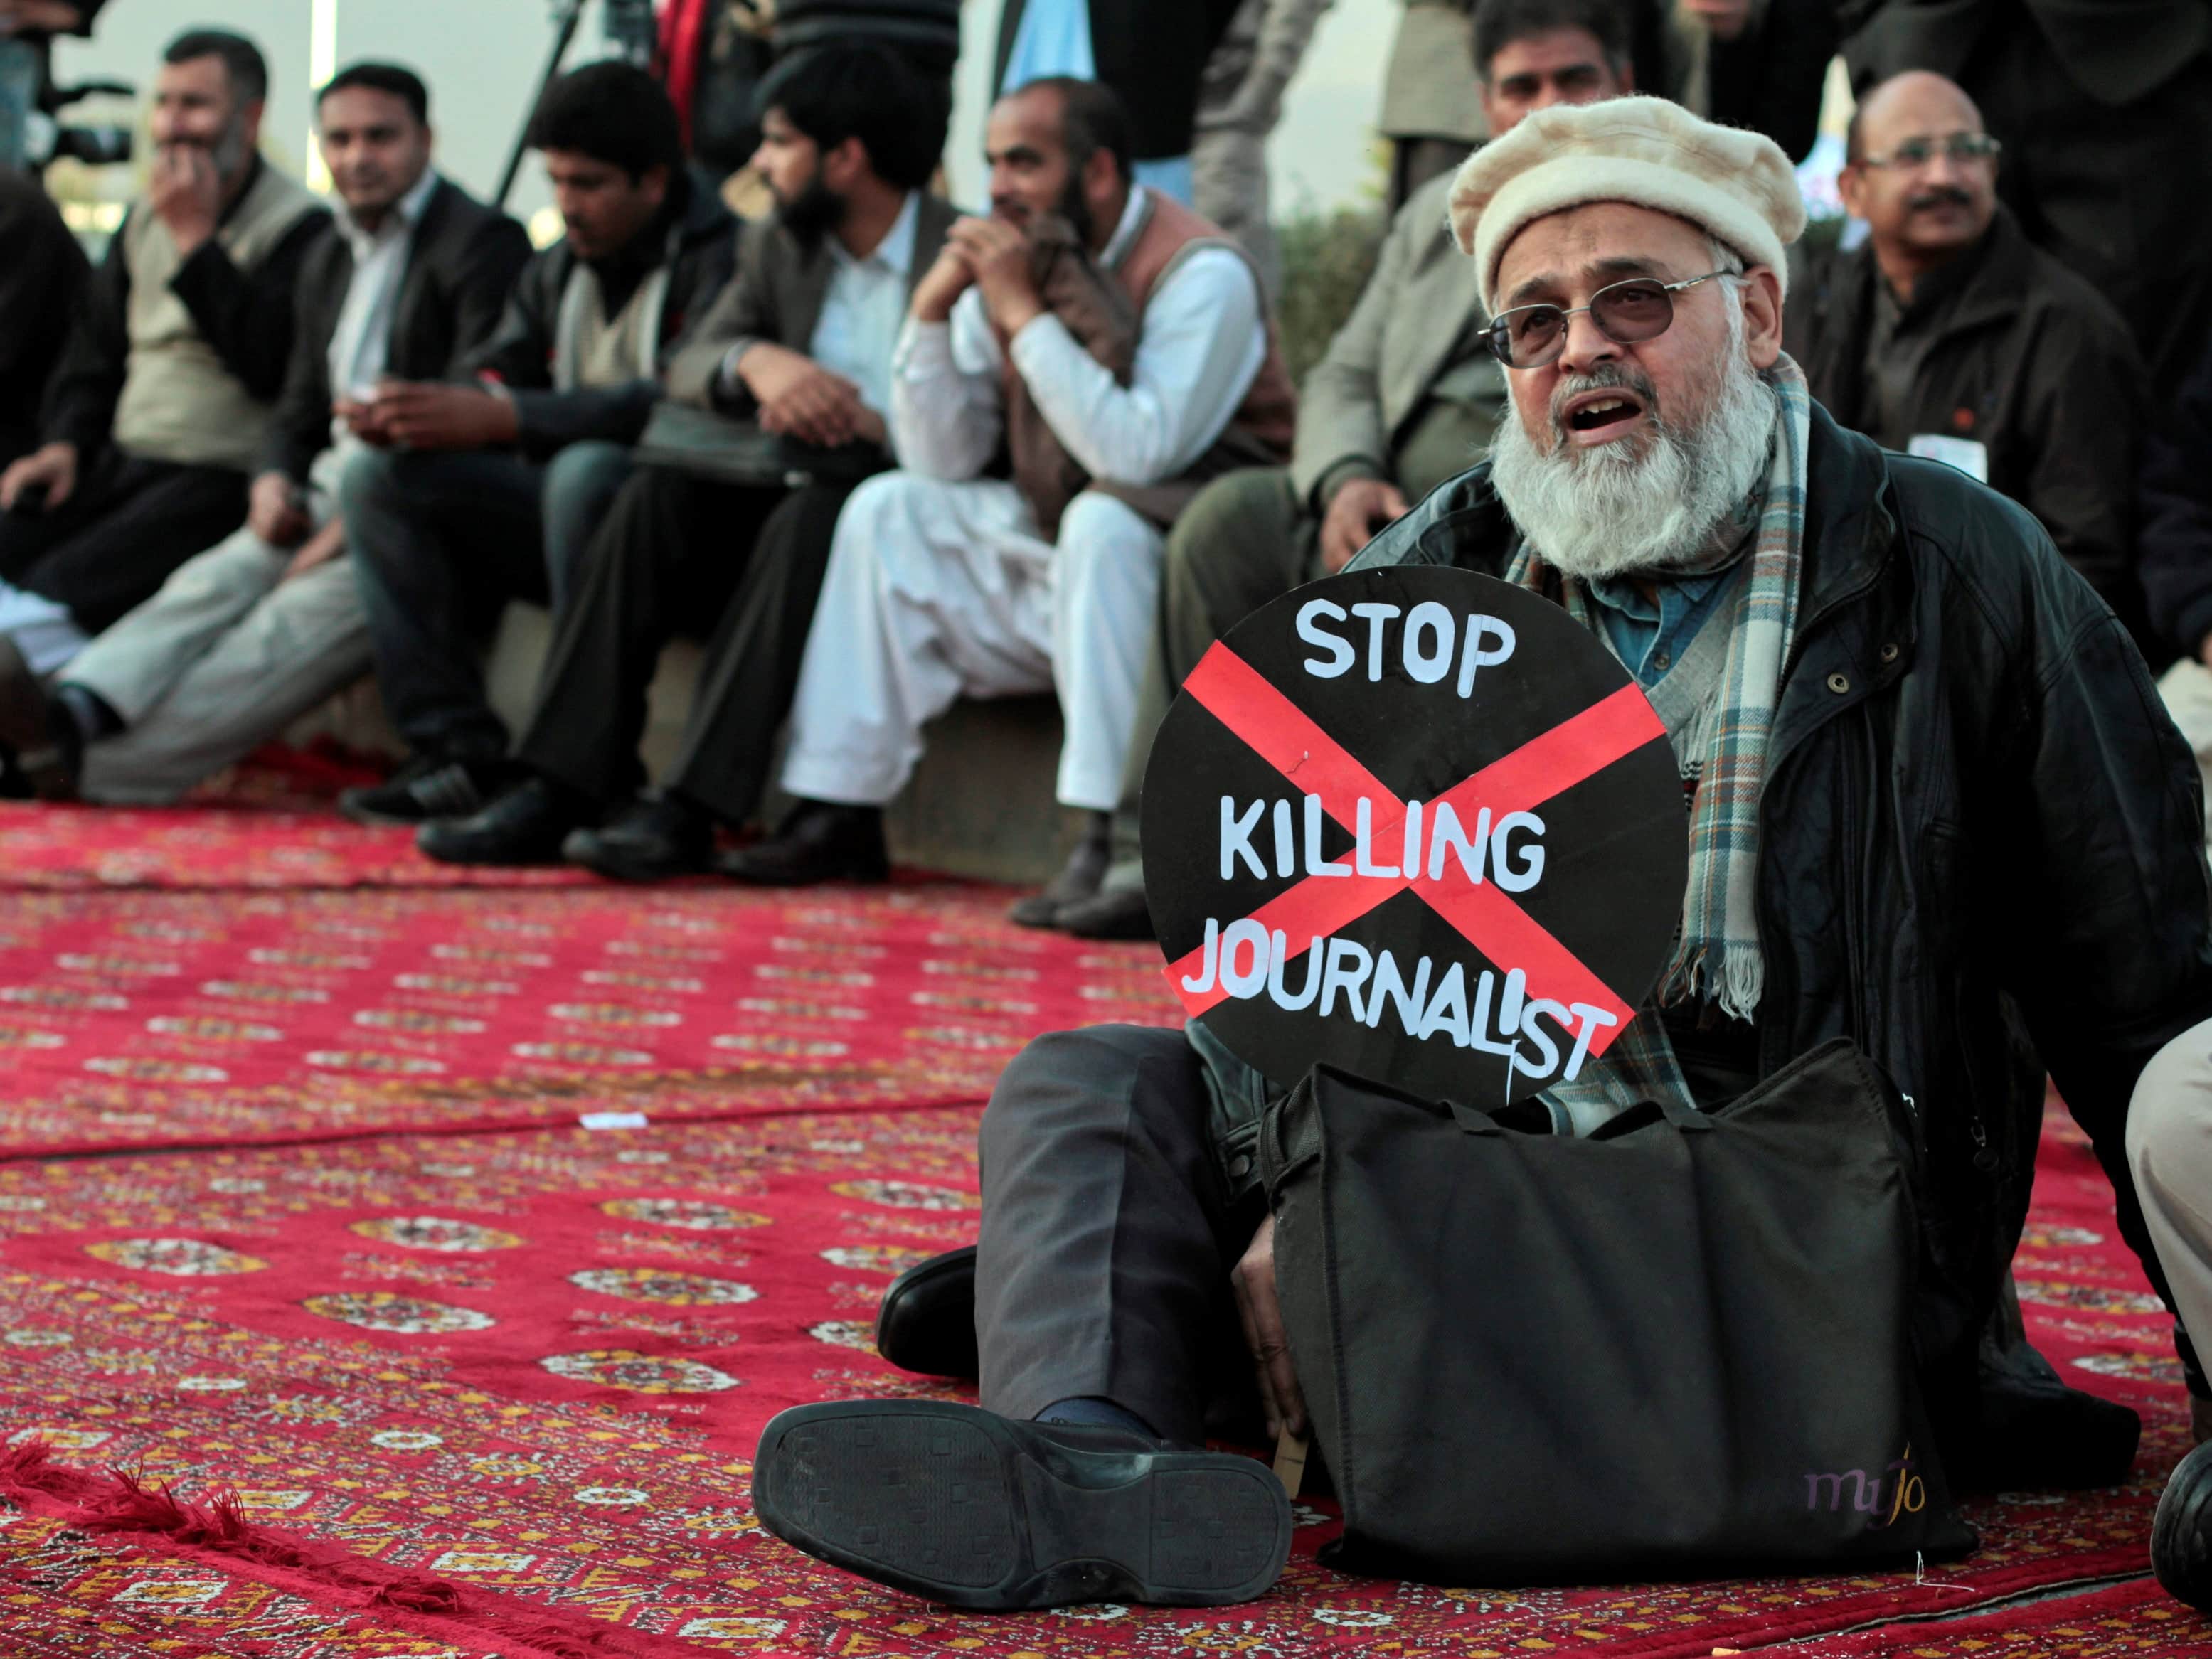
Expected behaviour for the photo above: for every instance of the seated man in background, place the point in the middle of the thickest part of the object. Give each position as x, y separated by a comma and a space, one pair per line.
157, 412
42, 282
473, 493
1947, 334
1663, 476
1407, 397
943, 581
256, 631
799, 343
2176, 556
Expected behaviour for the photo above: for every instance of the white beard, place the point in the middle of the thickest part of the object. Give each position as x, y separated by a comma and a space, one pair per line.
1605, 511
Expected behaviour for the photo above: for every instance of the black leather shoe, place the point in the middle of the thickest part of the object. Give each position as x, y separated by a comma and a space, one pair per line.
1078, 878
816, 841
525, 825
655, 838
427, 788
927, 1320
35, 731
2181, 1534
1120, 914
965, 1507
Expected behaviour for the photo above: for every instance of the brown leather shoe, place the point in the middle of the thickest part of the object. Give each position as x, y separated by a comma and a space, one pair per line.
35, 731
1078, 878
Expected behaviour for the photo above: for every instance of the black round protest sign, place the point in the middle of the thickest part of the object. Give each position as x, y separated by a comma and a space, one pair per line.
1419, 824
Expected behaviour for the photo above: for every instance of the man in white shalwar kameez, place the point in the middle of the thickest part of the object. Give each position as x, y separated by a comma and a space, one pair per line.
1111, 406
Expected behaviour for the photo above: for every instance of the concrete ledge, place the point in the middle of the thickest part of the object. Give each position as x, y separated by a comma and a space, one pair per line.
980, 804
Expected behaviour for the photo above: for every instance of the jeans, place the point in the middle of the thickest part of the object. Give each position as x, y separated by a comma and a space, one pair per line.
441, 541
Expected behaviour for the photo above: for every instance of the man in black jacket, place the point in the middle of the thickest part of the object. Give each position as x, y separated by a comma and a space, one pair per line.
1895, 709
2105, 112
1947, 333
473, 493
42, 282
411, 278
798, 347
158, 407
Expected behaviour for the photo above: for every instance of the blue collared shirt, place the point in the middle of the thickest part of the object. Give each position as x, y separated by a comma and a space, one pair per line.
1649, 637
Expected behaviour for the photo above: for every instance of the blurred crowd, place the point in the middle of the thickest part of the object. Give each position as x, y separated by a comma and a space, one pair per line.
877, 452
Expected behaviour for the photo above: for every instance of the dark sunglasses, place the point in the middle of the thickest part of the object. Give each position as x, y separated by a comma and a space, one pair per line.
1641, 308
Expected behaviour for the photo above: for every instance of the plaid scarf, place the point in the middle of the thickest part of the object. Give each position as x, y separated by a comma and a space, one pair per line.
1717, 953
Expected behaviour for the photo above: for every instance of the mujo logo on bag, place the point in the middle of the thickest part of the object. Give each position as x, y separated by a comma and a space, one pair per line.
1908, 1497
1417, 823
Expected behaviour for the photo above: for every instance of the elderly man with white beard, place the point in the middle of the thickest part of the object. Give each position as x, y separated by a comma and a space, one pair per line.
1934, 806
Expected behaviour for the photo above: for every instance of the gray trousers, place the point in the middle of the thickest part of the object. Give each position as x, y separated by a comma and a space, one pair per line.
1102, 1270
2169, 1142
223, 658
1244, 540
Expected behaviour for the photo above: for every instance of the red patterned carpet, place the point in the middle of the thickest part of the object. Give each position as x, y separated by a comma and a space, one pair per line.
484, 1392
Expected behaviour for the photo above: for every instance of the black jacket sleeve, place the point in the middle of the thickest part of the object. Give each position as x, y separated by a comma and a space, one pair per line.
2099, 797
80, 398
2175, 539
300, 427
488, 271
247, 316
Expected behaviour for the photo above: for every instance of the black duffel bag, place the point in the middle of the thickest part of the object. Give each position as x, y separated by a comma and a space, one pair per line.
1679, 1346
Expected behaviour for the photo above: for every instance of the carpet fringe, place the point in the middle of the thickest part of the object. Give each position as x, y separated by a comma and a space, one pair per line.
119, 1501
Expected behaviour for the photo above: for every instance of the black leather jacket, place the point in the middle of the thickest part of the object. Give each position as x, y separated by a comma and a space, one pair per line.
1982, 840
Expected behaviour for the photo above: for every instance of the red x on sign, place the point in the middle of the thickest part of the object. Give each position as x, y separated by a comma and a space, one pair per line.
1586, 718
1490, 921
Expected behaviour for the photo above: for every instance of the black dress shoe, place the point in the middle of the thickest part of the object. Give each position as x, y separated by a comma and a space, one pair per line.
965, 1507
427, 788
525, 825
1078, 878
2181, 1534
36, 731
816, 841
1119, 915
655, 838
927, 1320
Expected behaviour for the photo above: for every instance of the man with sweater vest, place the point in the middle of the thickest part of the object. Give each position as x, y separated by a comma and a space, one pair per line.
481, 491
798, 347
268, 622
1118, 350
164, 393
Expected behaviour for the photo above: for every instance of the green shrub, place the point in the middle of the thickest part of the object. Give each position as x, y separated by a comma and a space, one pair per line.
1327, 257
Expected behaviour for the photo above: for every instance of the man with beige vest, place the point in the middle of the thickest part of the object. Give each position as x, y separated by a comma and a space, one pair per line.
488, 489
158, 408
1117, 348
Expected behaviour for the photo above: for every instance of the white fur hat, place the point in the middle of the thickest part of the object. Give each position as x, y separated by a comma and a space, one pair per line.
1648, 152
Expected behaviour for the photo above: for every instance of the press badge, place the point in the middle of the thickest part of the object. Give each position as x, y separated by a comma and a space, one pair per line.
1969, 456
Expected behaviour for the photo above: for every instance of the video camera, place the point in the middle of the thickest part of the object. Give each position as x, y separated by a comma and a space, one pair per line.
32, 133
97, 144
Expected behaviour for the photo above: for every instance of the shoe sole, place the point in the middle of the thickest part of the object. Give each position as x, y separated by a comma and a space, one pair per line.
963, 1507
614, 867
732, 866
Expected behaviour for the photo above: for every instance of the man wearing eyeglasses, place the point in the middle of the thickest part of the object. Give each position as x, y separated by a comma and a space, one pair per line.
1947, 334
1934, 808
